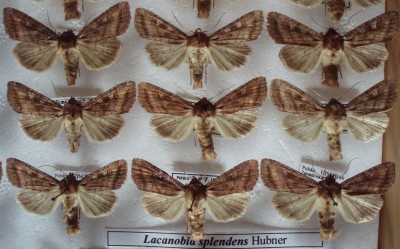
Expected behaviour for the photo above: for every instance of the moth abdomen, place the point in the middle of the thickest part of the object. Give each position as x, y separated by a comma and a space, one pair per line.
336, 9
71, 214
204, 133
203, 8
71, 9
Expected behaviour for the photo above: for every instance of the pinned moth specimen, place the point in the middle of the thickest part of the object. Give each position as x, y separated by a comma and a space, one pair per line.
358, 198
204, 8
363, 117
232, 116
336, 8
226, 48
42, 118
225, 197
96, 44
71, 8
41, 193
307, 48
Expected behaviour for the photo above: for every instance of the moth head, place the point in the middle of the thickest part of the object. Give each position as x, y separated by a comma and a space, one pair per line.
204, 109
332, 40
335, 110
198, 39
73, 108
67, 40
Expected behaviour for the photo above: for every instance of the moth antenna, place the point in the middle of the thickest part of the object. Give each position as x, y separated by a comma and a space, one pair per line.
349, 90
318, 23
349, 5
54, 198
192, 96
348, 166
320, 95
83, 6
222, 91
349, 20
215, 24
184, 171
54, 88
48, 19
176, 19
47, 165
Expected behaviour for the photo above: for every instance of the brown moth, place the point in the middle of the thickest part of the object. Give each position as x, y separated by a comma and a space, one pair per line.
225, 197
96, 44
71, 9
203, 8
363, 117
42, 118
358, 198
336, 8
226, 48
307, 48
232, 116
41, 193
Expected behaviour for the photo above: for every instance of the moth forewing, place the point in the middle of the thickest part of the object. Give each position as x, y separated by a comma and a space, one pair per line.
96, 44
166, 198
360, 48
232, 116
42, 118
363, 116
226, 48
358, 198
40, 193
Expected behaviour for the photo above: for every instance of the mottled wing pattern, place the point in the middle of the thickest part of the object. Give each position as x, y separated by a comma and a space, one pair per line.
112, 22
37, 188
19, 26
246, 28
379, 29
94, 191
379, 98
361, 200
153, 27
25, 100
376, 180
288, 98
285, 30
239, 179
247, 96
149, 178
116, 100
169, 44
157, 100
279, 177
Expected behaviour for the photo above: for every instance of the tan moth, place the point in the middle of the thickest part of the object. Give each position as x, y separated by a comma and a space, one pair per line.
305, 48
41, 193
174, 118
43, 119
96, 44
358, 198
226, 48
224, 198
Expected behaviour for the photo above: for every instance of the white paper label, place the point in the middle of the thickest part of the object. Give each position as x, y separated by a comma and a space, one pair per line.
186, 178
62, 101
318, 173
142, 239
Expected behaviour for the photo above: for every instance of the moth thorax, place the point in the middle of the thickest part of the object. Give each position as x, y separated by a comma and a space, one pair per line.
69, 184
73, 109
198, 39
203, 109
67, 40
329, 188
336, 9
335, 110
332, 40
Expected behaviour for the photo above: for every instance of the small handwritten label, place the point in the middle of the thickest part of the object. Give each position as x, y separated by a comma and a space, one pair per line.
63, 101
186, 178
318, 173
78, 175
153, 239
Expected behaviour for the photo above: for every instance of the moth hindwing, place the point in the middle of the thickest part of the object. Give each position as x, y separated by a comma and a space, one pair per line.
225, 197
363, 117
43, 119
358, 198
174, 118
226, 48
41, 193
359, 48
96, 44
336, 8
